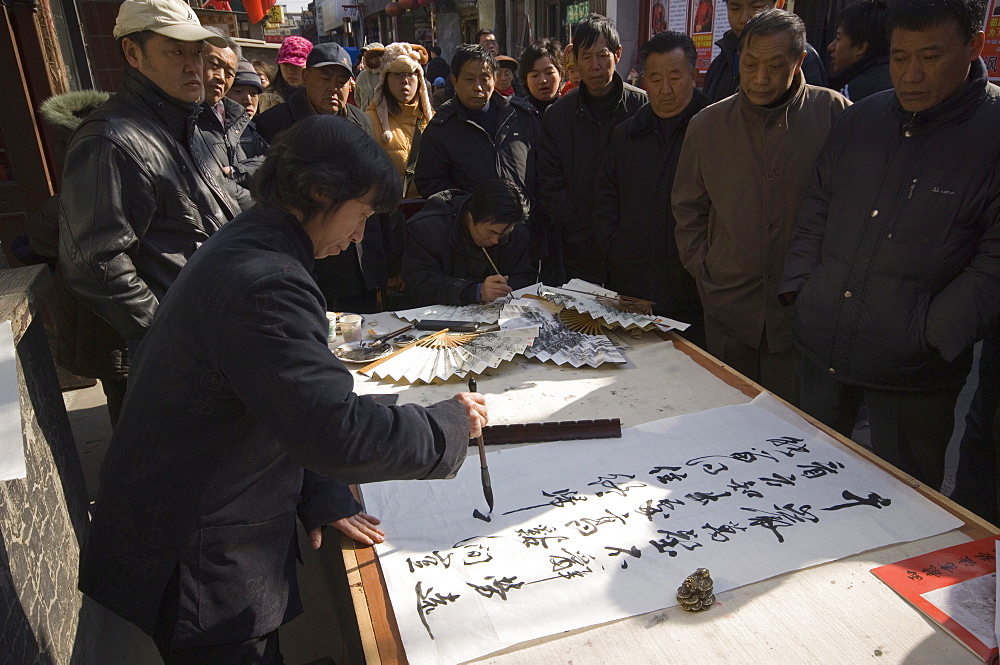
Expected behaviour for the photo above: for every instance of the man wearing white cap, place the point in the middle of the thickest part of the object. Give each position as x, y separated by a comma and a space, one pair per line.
138, 195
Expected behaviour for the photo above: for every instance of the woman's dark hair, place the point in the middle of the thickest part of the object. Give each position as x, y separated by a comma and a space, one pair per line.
863, 22
916, 15
471, 53
667, 41
543, 48
592, 28
280, 85
331, 155
391, 103
496, 201
268, 69
773, 21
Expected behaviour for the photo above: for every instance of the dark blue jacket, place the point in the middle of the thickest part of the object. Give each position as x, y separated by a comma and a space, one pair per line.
896, 255
235, 407
441, 264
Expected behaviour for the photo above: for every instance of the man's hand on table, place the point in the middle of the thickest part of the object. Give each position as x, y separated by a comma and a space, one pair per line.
475, 409
360, 526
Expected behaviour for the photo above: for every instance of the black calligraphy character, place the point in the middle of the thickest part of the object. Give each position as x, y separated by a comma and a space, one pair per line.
674, 539
705, 497
948, 566
666, 478
914, 575
649, 510
966, 561
476, 554
535, 536
818, 469
985, 556
498, 587
427, 603
789, 446
746, 488
718, 533
873, 500
559, 498
932, 570
633, 551
785, 516
432, 559
613, 487
562, 564
587, 526
778, 480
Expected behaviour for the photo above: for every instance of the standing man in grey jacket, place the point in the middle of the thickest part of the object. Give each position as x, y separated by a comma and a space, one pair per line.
139, 194
740, 179
895, 264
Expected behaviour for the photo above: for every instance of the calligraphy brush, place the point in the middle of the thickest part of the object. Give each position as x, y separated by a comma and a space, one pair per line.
490, 259
487, 485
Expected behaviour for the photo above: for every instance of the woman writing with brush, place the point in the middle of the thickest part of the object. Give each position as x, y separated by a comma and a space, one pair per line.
464, 248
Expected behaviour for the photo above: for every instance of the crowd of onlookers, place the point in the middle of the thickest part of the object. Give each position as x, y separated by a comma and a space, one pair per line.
833, 235
846, 257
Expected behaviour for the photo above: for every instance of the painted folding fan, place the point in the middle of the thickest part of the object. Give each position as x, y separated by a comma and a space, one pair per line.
603, 305
440, 356
480, 313
556, 341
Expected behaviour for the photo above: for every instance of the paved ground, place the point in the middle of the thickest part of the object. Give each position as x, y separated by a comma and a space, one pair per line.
313, 635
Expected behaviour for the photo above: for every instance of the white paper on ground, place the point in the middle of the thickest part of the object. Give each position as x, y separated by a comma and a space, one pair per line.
586, 532
11, 438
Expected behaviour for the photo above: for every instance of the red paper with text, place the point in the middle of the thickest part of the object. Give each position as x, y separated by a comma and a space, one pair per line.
911, 578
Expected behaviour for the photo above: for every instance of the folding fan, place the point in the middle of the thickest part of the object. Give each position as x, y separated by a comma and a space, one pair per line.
440, 356
480, 313
556, 341
608, 307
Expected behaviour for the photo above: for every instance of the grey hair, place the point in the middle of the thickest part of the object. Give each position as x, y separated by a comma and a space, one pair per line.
230, 42
772, 21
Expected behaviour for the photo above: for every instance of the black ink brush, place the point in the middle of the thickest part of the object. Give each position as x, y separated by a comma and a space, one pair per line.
485, 471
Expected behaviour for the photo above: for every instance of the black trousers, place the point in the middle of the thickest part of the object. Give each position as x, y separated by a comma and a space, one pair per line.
262, 650
778, 372
910, 430
977, 482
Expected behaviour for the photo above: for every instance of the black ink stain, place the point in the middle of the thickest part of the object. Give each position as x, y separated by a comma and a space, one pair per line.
479, 516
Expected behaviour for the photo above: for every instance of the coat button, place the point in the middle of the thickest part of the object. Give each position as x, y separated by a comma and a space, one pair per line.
848, 294
832, 371
770, 176
770, 276
907, 133
874, 213
772, 227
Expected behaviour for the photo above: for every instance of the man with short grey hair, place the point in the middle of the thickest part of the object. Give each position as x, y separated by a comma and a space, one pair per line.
222, 121
741, 176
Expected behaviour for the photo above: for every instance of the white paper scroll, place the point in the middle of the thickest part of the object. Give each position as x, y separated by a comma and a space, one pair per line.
11, 438
556, 342
586, 532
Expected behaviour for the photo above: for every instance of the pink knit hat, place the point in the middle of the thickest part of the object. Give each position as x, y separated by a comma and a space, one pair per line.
294, 50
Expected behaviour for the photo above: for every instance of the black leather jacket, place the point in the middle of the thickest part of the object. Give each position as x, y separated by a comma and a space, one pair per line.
139, 196
225, 143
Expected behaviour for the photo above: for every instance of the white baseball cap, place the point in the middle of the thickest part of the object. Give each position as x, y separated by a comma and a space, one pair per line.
171, 18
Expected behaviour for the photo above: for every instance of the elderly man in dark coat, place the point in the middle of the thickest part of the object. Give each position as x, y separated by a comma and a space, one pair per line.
238, 418
632, 217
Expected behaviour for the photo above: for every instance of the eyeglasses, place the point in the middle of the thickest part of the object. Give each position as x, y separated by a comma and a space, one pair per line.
405, 75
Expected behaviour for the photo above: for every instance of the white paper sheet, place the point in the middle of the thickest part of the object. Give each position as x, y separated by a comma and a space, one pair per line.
11, 439
586, 532
972, 604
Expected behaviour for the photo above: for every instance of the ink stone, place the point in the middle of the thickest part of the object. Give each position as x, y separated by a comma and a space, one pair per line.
696, 592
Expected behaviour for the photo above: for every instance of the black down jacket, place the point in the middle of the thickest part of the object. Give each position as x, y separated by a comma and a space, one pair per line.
896, 256
441, 264
139, 196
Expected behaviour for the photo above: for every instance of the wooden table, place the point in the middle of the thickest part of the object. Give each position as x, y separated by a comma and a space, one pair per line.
832, 613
